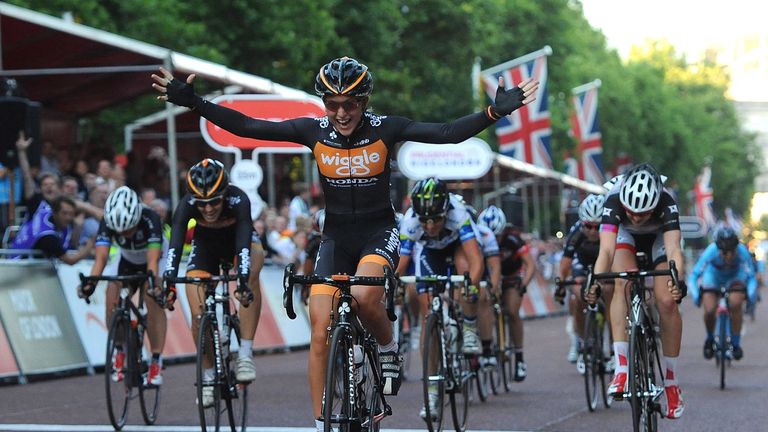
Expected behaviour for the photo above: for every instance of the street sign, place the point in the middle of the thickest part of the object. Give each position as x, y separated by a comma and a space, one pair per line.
265, 107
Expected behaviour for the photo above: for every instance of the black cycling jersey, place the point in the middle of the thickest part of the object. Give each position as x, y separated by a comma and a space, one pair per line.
665, 217
354, 170
149, 234
234, 222
578, 245
511, 249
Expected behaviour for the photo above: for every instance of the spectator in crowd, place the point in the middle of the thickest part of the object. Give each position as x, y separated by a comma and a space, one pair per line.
161, 208
49, 161
79, 172
147, 195
50, 186
53, 230
69, 187
6, 218
117, 176
299, 205
104, 170
98, 197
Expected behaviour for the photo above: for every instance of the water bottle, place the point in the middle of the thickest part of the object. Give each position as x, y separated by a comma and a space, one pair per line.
359, 369
452, 335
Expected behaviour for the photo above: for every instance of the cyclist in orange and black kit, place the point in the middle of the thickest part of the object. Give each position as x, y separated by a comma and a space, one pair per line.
514, 255
353, 148
223, 234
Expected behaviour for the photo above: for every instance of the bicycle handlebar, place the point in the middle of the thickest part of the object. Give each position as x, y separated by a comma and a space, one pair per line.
138, 277
432, 279
388, 281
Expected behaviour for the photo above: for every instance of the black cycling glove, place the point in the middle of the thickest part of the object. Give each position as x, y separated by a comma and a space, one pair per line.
181, 93
683, 287
507, 101
246, 295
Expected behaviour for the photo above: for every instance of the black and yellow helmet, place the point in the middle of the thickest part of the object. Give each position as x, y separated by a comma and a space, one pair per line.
344, 76
207, 179
429, 198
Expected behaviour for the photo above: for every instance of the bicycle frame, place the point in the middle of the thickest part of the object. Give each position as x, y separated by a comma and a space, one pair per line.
724, 352
345, 324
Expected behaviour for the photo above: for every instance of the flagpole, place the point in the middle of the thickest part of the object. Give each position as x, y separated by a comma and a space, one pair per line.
588, 86
476, 95
546, 51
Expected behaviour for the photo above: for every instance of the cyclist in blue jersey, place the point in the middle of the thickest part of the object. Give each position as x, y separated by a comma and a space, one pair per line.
353, 148
726, 262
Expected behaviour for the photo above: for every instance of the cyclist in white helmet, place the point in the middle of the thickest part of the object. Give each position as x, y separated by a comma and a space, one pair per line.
138, 232
582, 245
640, 215
490, 223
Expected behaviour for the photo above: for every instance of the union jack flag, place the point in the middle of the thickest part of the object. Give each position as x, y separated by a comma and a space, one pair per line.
585, 125
525, 134
703, 197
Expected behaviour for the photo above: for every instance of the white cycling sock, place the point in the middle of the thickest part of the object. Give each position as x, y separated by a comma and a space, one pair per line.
670, 376
392, 346
621, 349
246, 348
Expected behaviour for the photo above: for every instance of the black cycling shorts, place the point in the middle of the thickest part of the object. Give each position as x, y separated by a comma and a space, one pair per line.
211, 248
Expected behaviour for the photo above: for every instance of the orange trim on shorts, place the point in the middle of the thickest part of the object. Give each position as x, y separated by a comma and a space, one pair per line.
198, 273
376, 259
323, 289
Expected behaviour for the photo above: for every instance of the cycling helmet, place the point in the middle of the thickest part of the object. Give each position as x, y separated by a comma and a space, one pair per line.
429, 197
641, 189
344, 76
122, 211
726, 239
591, 209
493, 218
207, 179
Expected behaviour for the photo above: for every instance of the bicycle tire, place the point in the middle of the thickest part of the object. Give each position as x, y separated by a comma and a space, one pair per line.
505, 363
236, 393
476, 374
461, 374
602, 330
337, 407
371, 391
640, 377
149, 395
210, 417
722, 347
590, 352
433, 355
118, 386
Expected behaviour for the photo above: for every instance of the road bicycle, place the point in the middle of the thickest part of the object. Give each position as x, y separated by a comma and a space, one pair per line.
127, 364
645, 381
406, 329
218, 339
444, 364
353, 399
592, 351
723, 348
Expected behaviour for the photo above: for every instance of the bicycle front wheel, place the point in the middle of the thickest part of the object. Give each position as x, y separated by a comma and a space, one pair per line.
118, 384
149, 395
209, 389
591, 351
236, 393
641, 378
434, 374
722, 347
459, 394
337, 401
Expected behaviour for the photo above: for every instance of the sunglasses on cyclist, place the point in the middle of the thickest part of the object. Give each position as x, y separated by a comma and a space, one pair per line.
213, 202
348, 105
433, 219
590, 225
638, 215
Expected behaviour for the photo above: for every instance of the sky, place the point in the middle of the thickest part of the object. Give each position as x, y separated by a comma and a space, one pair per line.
690, 25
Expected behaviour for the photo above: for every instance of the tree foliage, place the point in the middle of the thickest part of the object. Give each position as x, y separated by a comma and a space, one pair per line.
657, 107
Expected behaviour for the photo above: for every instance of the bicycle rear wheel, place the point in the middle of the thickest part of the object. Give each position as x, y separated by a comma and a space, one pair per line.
722, 347
504, 360
434, 373
337, 407
149, 395
210, 416
459, 394
236, 393
119, 386
591, 351
476, 374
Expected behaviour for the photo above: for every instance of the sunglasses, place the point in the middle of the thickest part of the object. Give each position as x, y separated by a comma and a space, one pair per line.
638, 215
590, 225
213, 202
348, 105
433, 219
